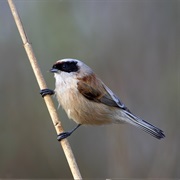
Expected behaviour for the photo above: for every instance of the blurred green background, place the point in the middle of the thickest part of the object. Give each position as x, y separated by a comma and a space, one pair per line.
133, 46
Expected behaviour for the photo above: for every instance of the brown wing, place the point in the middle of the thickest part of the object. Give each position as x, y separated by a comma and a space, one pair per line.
98, 92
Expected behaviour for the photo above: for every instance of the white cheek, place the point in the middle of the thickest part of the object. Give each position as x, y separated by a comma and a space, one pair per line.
65, 83
59, 80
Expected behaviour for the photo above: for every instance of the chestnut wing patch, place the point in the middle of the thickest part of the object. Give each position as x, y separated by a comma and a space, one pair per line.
96, 95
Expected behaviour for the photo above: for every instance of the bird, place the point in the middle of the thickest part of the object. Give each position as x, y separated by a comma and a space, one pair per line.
88, 101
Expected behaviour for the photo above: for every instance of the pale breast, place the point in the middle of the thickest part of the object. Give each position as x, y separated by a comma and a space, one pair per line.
79, 108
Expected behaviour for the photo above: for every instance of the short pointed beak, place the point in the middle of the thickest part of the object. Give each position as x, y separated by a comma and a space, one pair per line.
53, 70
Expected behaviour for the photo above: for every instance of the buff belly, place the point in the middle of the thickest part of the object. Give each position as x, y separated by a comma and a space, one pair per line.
84, 111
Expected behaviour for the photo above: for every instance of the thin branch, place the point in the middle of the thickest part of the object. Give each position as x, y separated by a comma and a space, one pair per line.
51, 108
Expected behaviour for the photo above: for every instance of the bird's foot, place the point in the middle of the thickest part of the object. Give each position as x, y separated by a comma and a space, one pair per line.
45, 92
63, 135
66, 134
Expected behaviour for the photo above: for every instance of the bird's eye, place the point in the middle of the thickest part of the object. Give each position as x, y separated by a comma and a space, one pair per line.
64, 66
69, 66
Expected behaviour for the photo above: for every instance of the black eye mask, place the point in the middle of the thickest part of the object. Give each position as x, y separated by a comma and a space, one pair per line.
66, 66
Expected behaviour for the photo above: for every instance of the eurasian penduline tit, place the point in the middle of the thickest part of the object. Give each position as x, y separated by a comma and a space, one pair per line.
87, 100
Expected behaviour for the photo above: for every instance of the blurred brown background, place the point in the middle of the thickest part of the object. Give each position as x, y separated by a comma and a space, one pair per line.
133, 46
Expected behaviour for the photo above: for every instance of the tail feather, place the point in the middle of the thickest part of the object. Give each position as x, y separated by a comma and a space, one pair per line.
145, 126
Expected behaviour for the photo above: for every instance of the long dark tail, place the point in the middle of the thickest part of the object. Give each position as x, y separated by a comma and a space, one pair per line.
145, 126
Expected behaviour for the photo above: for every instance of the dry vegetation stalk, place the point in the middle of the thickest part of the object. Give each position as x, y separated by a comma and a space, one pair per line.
51, 108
